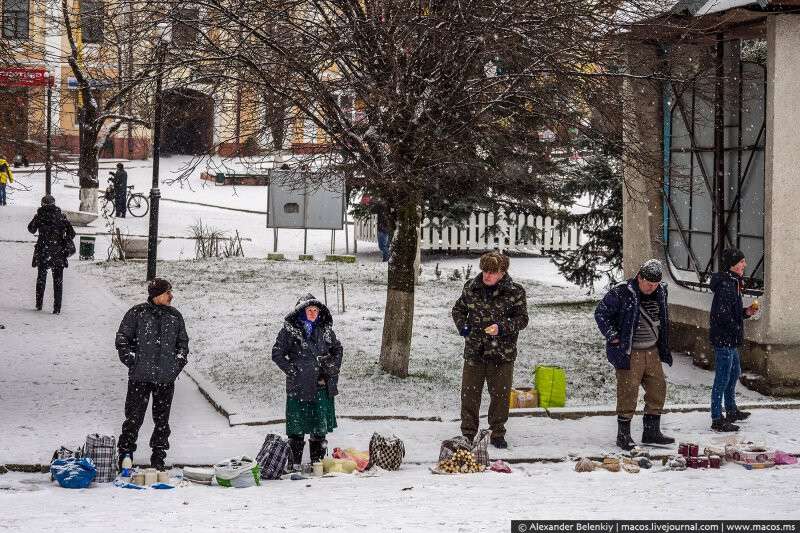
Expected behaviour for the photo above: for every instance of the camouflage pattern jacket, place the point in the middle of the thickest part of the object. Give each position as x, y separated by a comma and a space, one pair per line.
479, 306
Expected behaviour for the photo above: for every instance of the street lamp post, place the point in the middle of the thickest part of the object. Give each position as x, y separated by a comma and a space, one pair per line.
48, 162
155, 193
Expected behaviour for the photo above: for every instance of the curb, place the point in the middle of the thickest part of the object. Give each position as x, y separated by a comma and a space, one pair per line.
231, 409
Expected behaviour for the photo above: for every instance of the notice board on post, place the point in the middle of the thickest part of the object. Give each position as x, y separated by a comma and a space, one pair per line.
295, 201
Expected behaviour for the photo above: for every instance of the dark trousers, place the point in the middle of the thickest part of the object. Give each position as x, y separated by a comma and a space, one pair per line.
58, 286
119, 206
498, 377
2, 194
135, 408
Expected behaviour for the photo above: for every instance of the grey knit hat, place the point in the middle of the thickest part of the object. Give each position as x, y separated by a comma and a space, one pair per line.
651, 270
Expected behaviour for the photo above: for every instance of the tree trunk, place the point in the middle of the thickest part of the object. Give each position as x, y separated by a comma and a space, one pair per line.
398, 319
87, 162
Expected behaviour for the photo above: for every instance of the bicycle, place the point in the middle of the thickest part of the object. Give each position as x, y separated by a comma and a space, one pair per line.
136, 202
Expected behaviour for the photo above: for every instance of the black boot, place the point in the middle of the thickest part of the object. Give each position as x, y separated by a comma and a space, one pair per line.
296, 444
737, 416
157, 459
723, 426
317, 448
652, 431
624, 439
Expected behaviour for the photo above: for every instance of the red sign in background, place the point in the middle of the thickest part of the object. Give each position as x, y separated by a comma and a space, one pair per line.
24, 77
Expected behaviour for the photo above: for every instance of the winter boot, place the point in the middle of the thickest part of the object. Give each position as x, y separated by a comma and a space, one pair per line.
296, 444
499, 442
737, 416
651, 433
624, 439
157, 460
723, 426
317, 448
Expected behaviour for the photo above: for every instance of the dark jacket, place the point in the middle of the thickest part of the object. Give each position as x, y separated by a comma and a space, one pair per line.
152, 342
120, 178
307, 359
479, 306
55, 232
727, 311
617, 317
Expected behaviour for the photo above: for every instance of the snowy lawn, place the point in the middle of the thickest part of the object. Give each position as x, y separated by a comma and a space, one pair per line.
234, 309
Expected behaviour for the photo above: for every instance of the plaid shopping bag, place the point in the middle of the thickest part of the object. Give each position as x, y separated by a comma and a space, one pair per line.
479, 447
273, 456
102, 450
386, 452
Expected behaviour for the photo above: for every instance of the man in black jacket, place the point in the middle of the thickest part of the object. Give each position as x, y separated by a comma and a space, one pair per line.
53, 246
120, 179
726, 333
152, 342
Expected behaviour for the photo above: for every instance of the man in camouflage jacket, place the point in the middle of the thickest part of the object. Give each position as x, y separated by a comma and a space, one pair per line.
490, 313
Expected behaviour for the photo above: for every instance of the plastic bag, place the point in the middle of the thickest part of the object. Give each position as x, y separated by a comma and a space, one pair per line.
386, 452
239, 472
361, 459
479, 447
73, 473
551, 382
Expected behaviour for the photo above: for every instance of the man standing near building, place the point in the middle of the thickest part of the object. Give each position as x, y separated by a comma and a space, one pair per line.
490, 313
152, 342
726, 332
634, 320
120, 178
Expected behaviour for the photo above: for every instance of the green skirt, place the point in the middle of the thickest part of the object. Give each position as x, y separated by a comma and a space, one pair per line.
317, 417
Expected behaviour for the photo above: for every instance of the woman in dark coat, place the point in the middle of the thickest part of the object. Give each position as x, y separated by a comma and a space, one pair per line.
310, 355
51, 250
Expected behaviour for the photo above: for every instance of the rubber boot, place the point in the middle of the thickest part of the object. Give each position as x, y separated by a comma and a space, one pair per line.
652, 431
624, 439
317, 448
296, 444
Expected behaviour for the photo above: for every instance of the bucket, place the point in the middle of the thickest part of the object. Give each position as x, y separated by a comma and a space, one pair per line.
86, 248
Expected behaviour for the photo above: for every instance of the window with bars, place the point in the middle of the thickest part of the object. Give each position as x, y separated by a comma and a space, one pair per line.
91, 17
715, 134
16, 19
185, 31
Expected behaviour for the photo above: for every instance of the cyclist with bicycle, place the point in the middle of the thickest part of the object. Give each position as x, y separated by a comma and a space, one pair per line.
119, 180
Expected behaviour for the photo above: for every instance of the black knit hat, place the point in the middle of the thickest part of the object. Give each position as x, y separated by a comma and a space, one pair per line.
651, 270
730, 257
48, 200
157, 287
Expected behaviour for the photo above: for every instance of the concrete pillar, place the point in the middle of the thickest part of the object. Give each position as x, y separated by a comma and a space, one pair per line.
782, 187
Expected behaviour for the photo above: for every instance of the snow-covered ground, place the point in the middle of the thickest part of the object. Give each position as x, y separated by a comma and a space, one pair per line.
409, 500
61, 379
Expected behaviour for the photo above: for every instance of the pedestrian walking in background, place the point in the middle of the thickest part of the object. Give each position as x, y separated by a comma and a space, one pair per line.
6, 178
54, 244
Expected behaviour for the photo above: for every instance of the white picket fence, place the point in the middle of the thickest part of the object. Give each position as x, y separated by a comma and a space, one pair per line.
489, 231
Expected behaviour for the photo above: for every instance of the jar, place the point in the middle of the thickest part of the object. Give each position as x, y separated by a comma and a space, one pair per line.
694, 450
683, 449
715, 461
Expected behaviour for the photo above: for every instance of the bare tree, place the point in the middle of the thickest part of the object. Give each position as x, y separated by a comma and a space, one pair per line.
117, 32
427, 102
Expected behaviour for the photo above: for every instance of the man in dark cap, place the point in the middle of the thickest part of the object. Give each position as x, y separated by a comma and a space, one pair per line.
54, 245
726, 332
634, 320
152, 342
